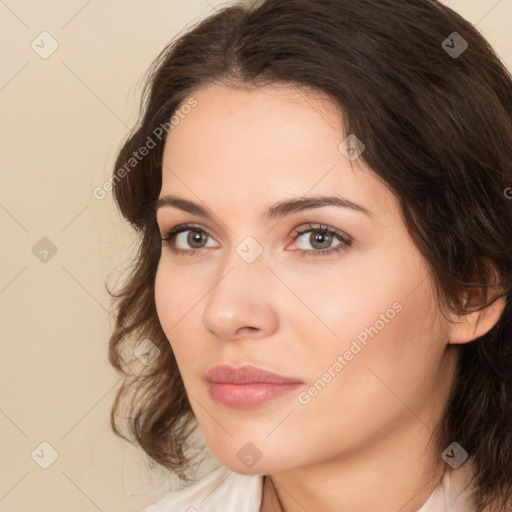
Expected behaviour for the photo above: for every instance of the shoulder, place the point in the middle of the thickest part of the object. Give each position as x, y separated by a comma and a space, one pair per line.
221, 489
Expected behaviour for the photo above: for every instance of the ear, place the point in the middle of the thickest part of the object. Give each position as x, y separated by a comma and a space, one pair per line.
468, 327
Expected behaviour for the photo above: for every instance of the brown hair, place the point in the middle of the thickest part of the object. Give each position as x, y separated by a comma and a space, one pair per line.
437, 129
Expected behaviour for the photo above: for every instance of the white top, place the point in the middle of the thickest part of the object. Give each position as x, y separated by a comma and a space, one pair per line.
226, 491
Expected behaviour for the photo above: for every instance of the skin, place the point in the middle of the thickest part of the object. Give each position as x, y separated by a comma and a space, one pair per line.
363, 442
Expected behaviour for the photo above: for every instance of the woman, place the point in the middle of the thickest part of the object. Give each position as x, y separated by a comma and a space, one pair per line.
324, 277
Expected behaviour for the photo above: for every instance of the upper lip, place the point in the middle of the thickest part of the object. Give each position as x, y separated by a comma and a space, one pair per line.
246, 375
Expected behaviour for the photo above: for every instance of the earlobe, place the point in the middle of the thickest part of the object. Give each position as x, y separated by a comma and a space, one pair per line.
471, 326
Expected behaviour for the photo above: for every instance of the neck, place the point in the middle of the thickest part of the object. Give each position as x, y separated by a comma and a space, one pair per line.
397, 472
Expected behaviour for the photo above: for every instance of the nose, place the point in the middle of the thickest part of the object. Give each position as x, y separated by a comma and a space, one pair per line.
242, 303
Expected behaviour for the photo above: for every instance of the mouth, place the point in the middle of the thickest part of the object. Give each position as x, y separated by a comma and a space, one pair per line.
247, 386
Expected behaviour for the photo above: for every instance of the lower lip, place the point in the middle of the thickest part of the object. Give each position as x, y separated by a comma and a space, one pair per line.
243, 396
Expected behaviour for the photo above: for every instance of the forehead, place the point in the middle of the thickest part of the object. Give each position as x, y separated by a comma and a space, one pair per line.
260, 145
240, 119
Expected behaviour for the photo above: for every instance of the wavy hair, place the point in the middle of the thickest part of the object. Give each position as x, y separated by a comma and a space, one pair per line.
438, 131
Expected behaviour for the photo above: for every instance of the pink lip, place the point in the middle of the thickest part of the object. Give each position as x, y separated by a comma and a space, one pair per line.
247, 386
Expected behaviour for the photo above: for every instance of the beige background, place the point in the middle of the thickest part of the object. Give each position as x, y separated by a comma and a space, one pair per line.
62, 120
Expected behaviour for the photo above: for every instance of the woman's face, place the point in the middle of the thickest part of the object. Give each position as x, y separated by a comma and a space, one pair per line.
355, 324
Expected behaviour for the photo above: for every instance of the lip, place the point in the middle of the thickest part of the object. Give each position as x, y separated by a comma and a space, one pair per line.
247, 386
247, 375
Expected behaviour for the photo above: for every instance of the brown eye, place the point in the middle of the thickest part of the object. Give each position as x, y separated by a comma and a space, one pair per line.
195, 238
187, 239
322, 240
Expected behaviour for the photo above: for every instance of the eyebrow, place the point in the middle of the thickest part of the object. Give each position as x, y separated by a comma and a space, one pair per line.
277, 210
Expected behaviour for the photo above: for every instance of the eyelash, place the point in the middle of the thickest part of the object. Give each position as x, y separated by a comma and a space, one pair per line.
345, 239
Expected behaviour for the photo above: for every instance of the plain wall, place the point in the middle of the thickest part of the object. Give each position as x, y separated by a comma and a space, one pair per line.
62, 120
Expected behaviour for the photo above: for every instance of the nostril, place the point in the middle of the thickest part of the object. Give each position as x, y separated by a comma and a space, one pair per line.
248, 328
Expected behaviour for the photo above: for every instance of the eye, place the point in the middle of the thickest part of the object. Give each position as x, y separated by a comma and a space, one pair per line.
189, 236
189, 239
321, 239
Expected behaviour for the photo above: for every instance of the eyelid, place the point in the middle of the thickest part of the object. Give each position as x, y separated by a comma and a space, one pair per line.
299, 230
345, 239
186, 226
302, 229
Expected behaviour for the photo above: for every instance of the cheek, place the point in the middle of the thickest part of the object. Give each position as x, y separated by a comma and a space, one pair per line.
388, 360
172, 300
378, 382
344, 302
379, 317
165, 297
176, 293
